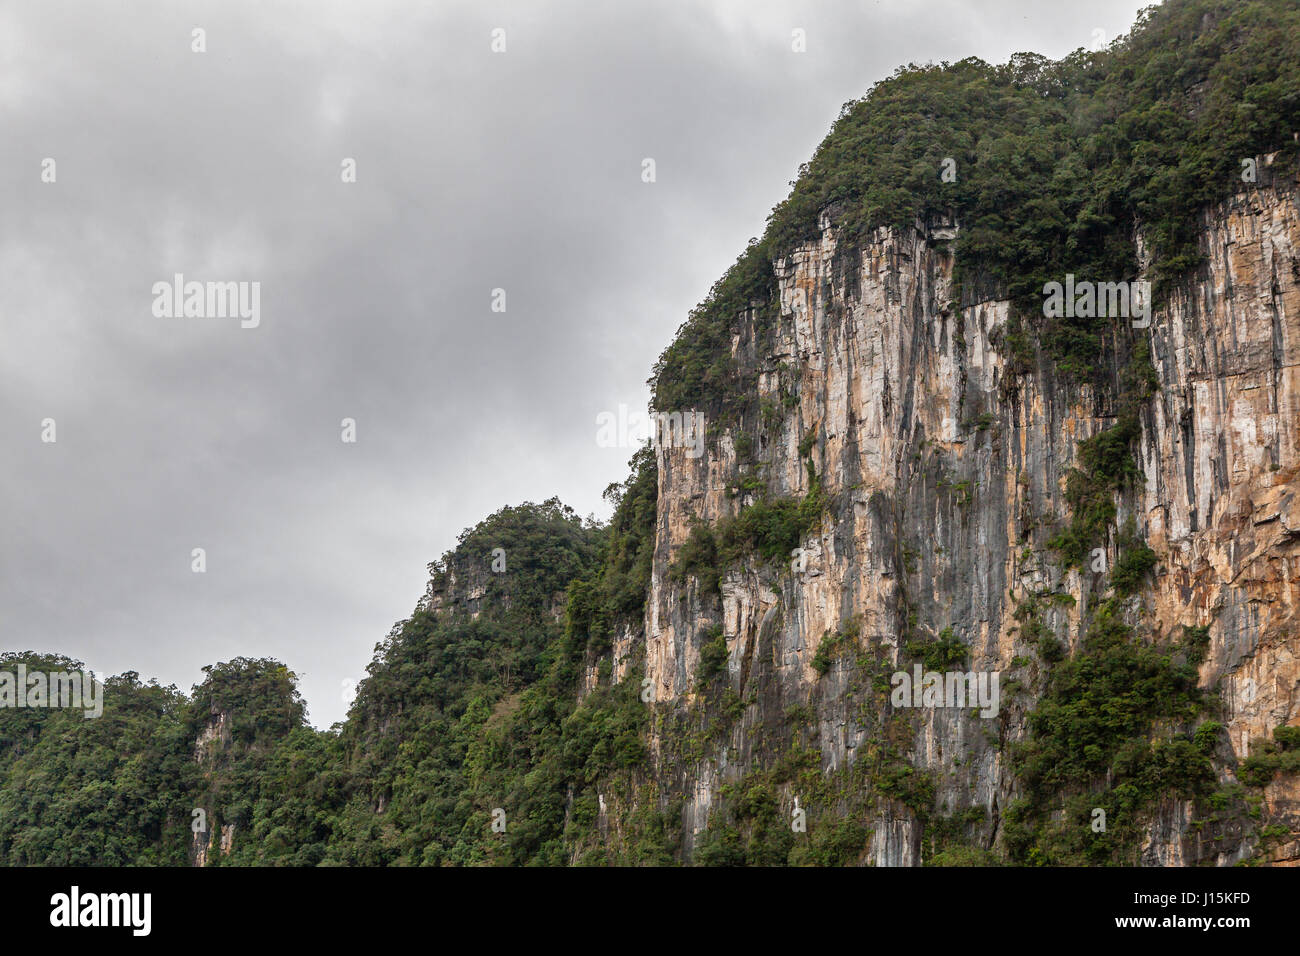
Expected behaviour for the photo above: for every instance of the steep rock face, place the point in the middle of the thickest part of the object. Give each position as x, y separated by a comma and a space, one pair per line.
212, 742
944, 471
1220, 460
621, 657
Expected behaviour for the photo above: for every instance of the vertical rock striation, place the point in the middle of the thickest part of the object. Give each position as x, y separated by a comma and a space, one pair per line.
943, 468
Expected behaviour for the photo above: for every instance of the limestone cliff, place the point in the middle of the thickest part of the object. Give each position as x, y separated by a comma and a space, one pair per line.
943, 466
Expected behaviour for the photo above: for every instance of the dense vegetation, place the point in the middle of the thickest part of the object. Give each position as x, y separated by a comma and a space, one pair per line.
1091, 739
111, 790
1057, 164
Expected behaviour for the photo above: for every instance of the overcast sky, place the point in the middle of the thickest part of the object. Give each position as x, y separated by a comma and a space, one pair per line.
475, 171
